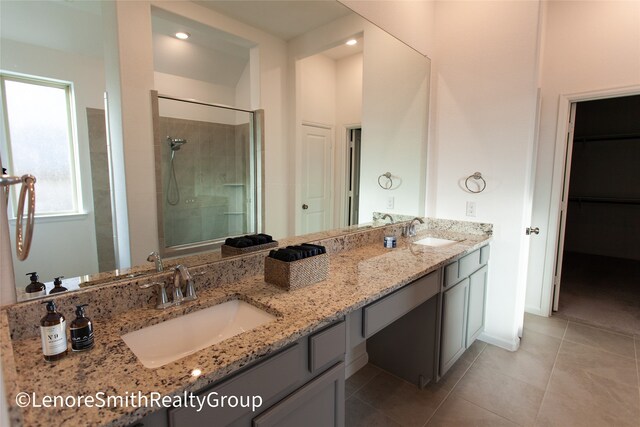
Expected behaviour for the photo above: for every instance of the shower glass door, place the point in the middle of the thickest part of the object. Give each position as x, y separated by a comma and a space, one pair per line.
206, 173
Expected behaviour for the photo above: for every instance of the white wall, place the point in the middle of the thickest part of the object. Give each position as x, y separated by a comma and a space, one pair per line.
182, 87
589, 46
348, 113
412, 21
483, 109
55, 239
394, 125
317, 91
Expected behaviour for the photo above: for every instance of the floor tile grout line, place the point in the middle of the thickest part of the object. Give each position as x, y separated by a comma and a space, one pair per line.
489, 410
599, 348
376, 409
612, 331
364, 384
553, 368
455, 385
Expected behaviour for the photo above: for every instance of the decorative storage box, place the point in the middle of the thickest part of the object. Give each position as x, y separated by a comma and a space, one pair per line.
226, 250
296, 274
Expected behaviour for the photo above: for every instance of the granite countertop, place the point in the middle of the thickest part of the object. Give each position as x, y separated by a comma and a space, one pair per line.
356, 277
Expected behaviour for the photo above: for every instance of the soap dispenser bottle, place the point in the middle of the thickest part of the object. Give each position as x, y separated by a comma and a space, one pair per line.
81, 331
57, 286
35, 288
53, 333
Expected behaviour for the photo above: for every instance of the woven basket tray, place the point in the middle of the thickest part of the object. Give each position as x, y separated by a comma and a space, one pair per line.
230, 250
296, 274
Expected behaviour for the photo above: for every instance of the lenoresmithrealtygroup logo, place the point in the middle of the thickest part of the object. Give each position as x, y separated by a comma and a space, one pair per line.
138, 400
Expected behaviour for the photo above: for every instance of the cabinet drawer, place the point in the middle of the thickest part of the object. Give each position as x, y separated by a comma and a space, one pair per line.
319, 403
327, 346
390, 308
267, 379
451, 274
469, 263
484, 255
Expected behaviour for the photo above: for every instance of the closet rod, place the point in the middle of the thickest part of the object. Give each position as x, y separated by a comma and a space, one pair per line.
611, 137
611, 200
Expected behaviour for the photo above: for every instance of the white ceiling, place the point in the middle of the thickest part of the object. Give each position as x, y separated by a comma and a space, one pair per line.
283, 19
70, 26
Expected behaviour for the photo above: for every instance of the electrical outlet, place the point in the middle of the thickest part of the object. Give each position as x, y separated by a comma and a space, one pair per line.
471, 208
390, 202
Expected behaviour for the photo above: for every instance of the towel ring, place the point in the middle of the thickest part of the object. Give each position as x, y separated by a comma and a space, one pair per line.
388, 184
477, 176
25, 234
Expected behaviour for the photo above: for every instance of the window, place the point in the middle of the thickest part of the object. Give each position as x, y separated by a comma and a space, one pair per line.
39, 140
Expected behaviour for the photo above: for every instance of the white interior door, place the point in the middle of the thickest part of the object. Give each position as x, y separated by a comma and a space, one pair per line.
564, 203
317, 179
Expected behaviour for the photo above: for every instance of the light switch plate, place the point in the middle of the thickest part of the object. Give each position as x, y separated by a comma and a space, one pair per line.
390, 202
471, 208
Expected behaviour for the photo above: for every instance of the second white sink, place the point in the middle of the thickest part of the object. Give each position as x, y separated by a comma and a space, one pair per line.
435, 242
174, 339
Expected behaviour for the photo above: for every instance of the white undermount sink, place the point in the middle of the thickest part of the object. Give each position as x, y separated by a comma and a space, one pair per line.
435, 242
174, 339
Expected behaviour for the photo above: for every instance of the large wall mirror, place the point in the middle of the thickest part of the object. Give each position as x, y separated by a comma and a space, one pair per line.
338, 116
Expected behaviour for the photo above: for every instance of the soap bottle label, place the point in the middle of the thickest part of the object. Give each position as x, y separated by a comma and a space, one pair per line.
54, 339
81, 338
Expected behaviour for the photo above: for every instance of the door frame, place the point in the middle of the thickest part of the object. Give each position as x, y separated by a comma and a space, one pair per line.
554, 245
342, 163
298, 169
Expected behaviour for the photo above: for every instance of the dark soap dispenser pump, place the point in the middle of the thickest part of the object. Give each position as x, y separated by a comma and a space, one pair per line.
53, 333
81, 330
35, 288
57, 286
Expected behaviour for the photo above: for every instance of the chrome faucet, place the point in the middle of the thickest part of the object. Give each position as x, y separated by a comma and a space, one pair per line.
410, 229
155, 258
385, 216
180, 274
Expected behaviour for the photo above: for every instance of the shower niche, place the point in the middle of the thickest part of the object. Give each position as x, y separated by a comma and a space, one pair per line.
208, 170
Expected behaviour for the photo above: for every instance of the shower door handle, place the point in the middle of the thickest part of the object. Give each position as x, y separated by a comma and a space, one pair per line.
305, 206
531, 230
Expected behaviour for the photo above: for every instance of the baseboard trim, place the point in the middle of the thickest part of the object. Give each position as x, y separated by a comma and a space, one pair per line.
512, 345
356, 364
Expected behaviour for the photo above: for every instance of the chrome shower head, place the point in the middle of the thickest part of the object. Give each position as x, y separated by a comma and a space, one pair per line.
176, 143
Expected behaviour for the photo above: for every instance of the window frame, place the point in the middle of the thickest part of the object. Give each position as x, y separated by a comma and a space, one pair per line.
72, 142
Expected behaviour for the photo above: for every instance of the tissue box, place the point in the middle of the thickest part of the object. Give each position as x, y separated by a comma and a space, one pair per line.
296, 274
226, 250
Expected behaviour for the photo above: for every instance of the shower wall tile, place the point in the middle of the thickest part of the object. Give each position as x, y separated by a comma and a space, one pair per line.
215, 154
99, 161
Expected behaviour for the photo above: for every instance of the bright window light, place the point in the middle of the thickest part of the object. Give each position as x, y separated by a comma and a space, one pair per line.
39, 141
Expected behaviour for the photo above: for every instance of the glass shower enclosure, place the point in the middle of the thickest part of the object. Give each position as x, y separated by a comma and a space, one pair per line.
208, 173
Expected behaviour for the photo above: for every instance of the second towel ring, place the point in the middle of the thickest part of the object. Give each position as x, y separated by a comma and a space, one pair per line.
389, 182
478, 177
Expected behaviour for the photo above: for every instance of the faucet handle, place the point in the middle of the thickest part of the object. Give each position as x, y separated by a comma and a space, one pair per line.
177, 295
163, 300
190, 291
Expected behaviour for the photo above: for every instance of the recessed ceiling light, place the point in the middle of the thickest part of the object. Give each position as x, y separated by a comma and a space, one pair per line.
351, 42
182, 35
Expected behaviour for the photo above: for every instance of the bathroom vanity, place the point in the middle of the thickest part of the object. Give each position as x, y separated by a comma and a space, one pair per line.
427, 300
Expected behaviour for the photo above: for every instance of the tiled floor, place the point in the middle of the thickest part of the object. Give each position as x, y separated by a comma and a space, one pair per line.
601, 291
564, 374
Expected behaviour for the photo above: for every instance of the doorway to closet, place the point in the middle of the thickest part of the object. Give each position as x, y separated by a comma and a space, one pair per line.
599, 250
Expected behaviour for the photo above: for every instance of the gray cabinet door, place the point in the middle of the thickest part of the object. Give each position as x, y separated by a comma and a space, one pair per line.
318, 403
454, 324
477, 292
